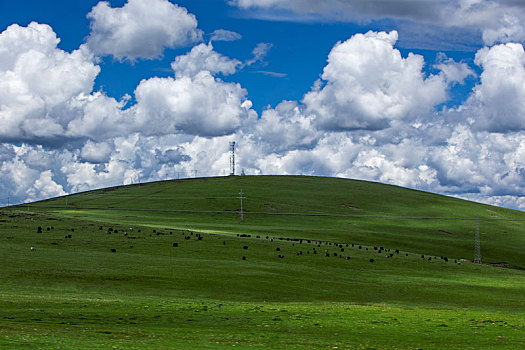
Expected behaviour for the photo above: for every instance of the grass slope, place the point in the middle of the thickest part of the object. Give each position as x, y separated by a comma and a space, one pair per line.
76, 293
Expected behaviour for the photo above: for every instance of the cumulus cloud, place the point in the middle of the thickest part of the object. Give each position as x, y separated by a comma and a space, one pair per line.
37, 80
94, 152
285, 128
367, 84
498, 101
199, 105
454, 72
203, 58
140, 29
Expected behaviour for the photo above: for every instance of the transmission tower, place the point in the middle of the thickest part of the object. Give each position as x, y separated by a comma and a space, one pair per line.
232, 158
477, 248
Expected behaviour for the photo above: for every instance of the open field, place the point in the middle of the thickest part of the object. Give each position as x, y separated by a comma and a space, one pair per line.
74, 292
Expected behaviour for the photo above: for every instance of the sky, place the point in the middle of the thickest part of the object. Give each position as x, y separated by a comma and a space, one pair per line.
425, 94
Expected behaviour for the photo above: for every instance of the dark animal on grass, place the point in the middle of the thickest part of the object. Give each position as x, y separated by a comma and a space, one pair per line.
348, 258
371, 260
342, 249
243, 258
245, 247
33, 249
278, 249
113, 250
199, 238
281, 256
175, 244
39, 229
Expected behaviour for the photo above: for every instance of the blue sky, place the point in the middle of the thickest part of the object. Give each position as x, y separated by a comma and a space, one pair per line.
422, 94
298, 56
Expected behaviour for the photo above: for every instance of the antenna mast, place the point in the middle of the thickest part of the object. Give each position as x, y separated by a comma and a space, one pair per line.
232, 158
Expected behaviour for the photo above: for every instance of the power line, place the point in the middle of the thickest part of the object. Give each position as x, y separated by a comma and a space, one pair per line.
241, 198
477, 248
285, 214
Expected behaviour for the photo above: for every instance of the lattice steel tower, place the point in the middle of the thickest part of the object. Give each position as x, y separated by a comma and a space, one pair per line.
232, 158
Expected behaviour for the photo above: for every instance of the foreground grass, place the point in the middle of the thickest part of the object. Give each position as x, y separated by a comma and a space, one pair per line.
74, 292
44, 322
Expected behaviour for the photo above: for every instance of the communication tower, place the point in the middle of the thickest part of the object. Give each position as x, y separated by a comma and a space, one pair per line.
232, 158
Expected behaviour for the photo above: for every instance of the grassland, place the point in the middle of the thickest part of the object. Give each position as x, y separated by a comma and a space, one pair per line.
74, 292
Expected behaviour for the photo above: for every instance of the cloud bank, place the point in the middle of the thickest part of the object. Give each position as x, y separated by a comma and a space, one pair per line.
374, 114
496, 21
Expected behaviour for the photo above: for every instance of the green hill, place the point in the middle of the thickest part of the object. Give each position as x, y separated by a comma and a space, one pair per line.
333, 209
314, 263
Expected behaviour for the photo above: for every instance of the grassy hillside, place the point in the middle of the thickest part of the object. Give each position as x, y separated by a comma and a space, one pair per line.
334, 209
171, 265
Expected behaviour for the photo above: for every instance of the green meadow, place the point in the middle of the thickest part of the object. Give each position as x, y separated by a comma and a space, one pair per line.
307, 263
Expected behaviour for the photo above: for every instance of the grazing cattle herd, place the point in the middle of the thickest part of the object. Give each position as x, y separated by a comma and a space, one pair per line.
310, 246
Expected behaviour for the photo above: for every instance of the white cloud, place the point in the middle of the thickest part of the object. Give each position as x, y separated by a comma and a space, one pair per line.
37, 80
199, 105
225, 35
497, 21
259, 53
203, 57
140, 29
454, 72
498, 101
285, 128
93, 152
367, 84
